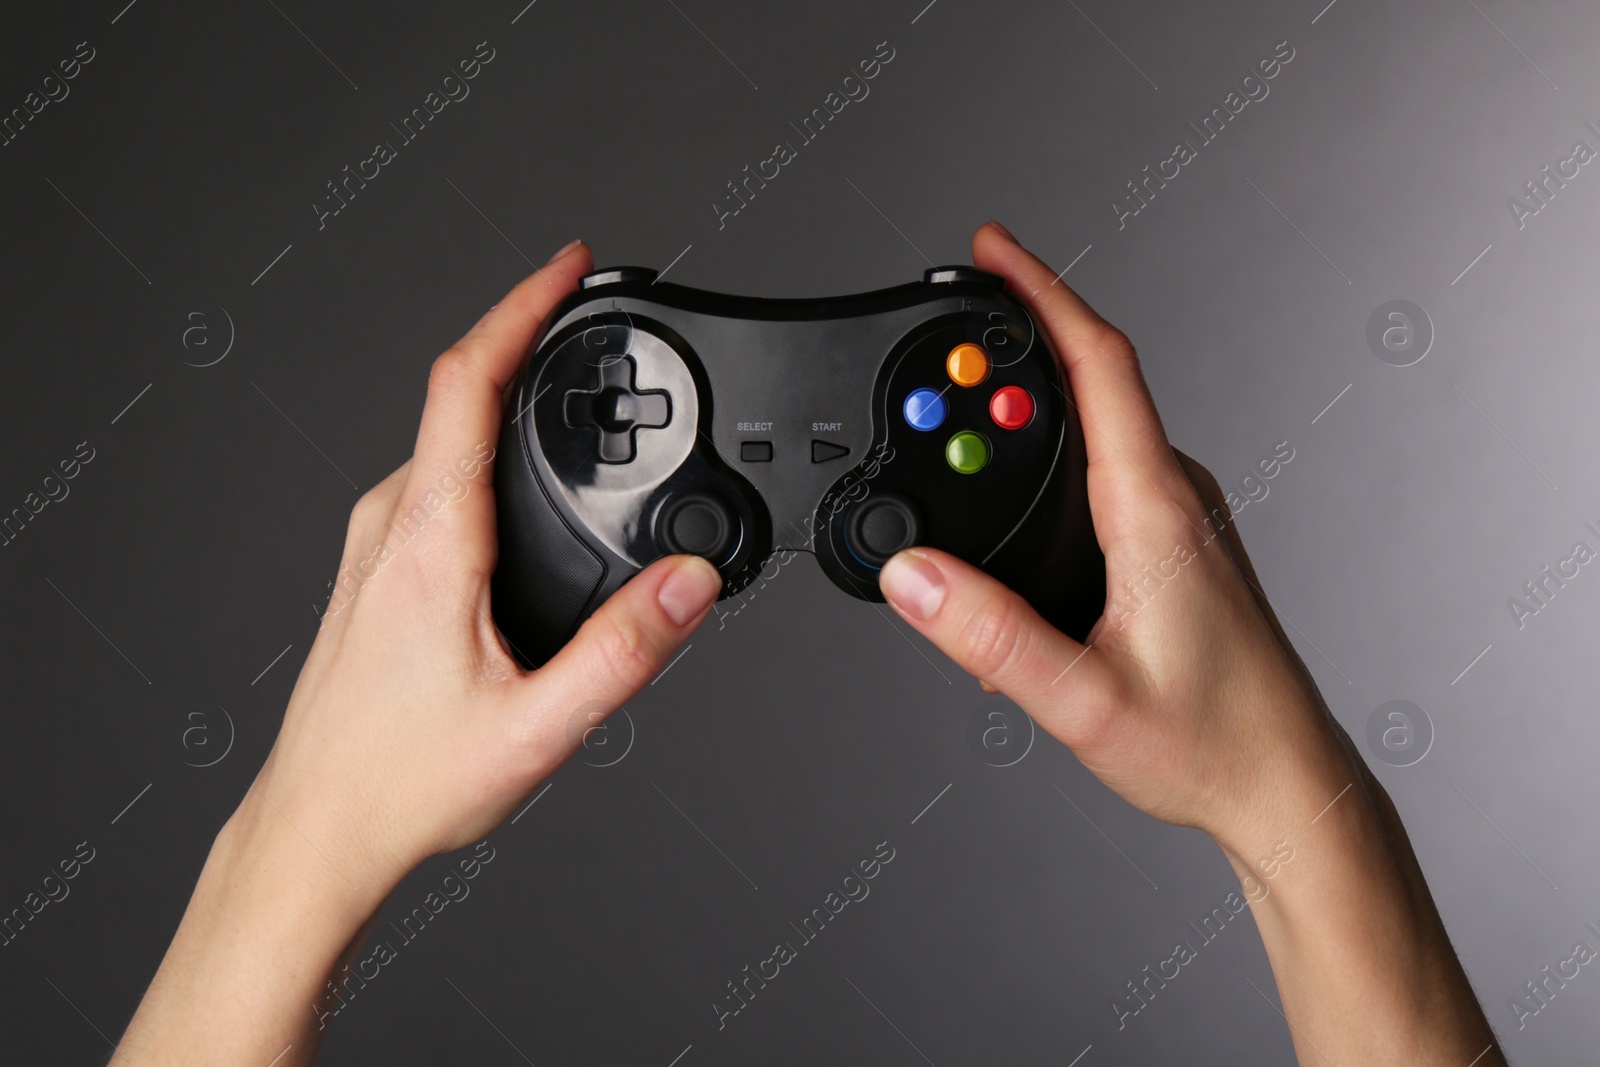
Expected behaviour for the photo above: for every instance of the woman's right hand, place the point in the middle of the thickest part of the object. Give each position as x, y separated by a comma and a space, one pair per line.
1184, 699
1189, 701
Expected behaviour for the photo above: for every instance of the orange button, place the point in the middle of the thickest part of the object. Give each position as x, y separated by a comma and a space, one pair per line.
967, 364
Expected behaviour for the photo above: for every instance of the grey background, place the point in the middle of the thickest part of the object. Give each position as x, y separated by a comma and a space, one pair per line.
807, 728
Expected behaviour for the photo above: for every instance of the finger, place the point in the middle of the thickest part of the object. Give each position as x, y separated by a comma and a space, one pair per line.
1216, 507
367, 530
1220, 518
380, 500
630, 640
452, 463
1126, 444
369, 519
989, 631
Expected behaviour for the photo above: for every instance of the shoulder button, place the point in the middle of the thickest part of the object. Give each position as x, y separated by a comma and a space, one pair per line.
613, 275
938, 275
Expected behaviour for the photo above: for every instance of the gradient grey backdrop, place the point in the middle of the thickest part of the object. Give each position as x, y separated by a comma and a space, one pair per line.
808, 727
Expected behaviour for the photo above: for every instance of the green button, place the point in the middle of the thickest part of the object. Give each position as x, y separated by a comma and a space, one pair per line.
967, 452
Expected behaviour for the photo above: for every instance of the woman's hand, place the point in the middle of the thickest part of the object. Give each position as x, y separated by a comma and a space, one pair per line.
1188, 700
1183, 699
411, 729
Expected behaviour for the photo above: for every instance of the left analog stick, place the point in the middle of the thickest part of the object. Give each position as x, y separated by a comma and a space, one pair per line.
699, 524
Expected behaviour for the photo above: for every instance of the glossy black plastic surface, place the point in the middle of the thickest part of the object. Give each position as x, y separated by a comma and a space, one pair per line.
655, 417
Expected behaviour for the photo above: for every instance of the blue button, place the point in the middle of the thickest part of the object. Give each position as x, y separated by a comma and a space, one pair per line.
924, 409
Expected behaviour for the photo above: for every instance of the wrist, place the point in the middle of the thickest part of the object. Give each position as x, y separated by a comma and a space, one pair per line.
261, 849
245, 976
1295, 791
1316, 835
1333, 880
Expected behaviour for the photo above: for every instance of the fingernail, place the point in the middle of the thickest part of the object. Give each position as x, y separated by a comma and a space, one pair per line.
913, 584
568, 247
1001, 230
691, 587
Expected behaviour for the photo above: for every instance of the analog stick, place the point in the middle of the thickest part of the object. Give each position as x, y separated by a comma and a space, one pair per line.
700, 524
880, 526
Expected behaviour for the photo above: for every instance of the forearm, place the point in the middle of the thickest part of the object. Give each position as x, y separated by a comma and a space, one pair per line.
267, 925
1364, 968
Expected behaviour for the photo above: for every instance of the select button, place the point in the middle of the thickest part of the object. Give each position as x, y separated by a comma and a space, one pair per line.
755, 451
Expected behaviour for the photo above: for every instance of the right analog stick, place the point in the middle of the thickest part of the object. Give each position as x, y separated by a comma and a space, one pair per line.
880, 526
699, 524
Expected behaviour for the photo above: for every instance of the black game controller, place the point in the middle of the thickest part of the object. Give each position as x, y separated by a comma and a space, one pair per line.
655, 418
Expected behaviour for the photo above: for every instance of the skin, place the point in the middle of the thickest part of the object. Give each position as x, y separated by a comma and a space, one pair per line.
411, 731
1188, 701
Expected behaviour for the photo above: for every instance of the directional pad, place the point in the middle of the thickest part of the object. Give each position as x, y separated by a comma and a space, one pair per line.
616, 408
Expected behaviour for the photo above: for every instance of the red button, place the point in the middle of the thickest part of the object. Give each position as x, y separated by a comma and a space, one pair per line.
1011, 407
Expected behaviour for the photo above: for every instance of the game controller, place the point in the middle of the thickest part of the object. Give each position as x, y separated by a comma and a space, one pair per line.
654, 419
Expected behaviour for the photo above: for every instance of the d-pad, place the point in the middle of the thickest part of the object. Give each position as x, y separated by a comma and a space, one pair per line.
617, 408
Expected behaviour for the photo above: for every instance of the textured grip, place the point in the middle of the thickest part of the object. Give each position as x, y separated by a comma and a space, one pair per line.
546, 575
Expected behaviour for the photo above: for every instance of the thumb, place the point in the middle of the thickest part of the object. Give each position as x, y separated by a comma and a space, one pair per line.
988, 630
621, 647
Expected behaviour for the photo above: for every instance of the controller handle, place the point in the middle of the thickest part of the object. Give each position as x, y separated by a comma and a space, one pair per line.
539, 552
